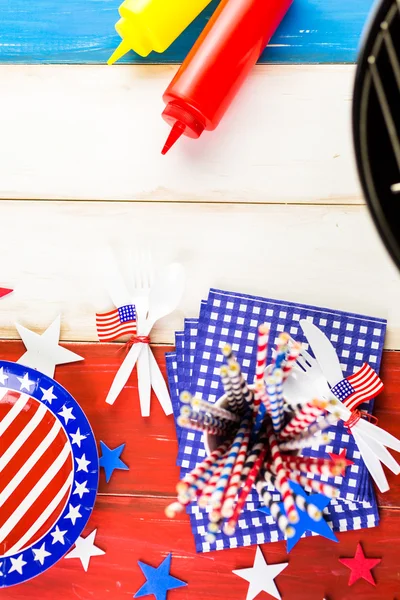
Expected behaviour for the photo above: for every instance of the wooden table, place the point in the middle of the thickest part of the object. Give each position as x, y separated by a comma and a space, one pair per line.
80, 168
129, 512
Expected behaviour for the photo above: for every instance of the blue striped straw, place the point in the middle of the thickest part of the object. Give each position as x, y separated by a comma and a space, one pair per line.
278, 374
273, 400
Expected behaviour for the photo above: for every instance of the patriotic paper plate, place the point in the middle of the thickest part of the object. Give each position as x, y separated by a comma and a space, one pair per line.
49, 470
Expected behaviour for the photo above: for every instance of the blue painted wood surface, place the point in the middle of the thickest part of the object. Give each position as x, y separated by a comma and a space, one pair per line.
82, 31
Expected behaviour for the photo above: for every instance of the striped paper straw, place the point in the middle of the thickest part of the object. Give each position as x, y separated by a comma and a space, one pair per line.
197, 486
205, 496
183, 485
235, 479
230, 526
236, 381
199, 426
294, 351
262, 346
317, 486
254, 454
227, 383
317, 466
229, 355
278, 374
173, 509
273, 403
322, 423
215, 410
305, 442
219, 492
281, 478
300, 501
302, 419
281, 350
188, 412
274, 509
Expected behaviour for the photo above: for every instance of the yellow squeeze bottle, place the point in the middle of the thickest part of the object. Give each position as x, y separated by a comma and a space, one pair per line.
147, 25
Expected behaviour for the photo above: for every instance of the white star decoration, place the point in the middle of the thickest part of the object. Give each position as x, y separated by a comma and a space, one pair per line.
48, 395
3, 376
43, 352
25, 382
82, 463
76, 438
17, 564
81, 489
261, 576
66, 414
73, 513
58, 536
40, 553
85, 549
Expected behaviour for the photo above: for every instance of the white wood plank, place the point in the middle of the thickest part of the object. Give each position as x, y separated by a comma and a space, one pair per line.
95, 132
328, 256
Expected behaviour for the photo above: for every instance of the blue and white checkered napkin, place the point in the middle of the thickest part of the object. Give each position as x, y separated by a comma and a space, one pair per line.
234, 318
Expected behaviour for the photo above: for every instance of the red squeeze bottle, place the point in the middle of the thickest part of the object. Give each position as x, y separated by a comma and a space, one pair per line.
215, 68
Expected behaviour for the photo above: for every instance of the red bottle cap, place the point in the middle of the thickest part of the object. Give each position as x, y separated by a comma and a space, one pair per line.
182, 122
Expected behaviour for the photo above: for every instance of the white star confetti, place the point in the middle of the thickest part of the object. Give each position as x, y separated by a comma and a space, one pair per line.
85, 549
43, 351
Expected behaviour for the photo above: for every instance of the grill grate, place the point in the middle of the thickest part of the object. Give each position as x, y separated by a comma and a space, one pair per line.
376, 121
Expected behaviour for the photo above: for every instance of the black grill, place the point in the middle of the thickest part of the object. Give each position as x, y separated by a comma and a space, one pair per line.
376, 122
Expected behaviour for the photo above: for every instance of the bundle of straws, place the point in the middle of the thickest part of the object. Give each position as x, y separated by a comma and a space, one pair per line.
258, 437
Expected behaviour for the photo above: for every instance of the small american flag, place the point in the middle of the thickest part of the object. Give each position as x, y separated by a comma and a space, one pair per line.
116, 323
359, 387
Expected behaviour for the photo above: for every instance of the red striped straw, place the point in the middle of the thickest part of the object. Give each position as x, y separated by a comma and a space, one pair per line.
230, 526
292, 356
281, 478
303, 418
235, 479
183, 485
317, 486
318, 466
274, 509
205, 496
262, 346
173, 509
196, 487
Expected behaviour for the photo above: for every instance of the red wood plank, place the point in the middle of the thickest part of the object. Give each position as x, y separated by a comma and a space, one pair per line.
132, 529
151, 445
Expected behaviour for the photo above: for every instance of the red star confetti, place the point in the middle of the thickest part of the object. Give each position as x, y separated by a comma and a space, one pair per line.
5, 291
360, 566
342, 457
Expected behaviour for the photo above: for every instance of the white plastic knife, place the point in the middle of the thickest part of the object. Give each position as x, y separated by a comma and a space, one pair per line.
324, 352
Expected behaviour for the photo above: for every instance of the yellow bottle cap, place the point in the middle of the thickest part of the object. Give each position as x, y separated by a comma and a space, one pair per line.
133, 38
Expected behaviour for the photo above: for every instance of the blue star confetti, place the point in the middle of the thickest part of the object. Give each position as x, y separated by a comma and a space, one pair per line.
159, 581
110, 460
306, 523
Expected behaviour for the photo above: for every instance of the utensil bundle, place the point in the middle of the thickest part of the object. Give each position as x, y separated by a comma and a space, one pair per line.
136, 313
258, 440
227, 317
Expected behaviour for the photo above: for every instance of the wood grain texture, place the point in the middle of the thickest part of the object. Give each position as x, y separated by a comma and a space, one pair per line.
314, 31
96, 133
133, 527
149, 439
327, 256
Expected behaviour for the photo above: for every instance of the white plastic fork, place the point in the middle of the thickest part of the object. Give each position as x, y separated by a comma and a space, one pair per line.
306, 381
143, 277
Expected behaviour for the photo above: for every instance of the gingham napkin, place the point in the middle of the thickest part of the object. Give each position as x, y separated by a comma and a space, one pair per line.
234, 318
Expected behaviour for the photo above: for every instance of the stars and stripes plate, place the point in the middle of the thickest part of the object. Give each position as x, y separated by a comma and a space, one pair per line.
49, 470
